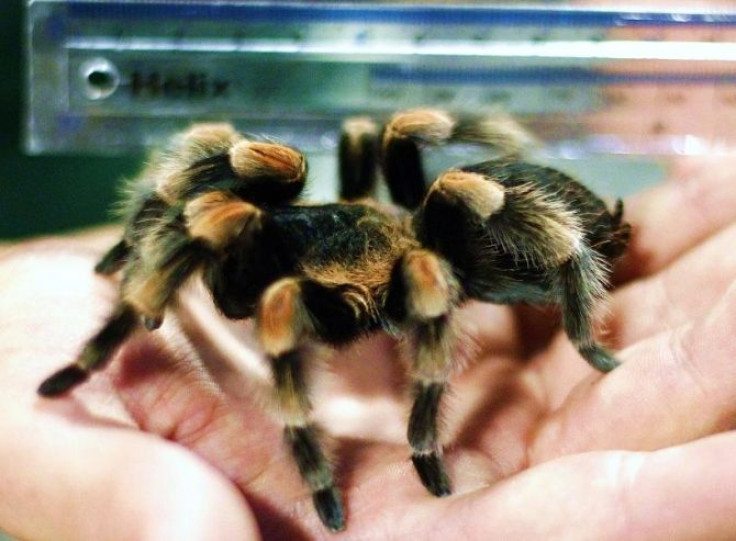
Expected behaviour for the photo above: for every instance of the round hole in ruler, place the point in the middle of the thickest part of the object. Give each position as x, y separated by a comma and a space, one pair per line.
100, 78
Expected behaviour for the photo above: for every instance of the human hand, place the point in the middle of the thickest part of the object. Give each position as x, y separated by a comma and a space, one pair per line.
171, 441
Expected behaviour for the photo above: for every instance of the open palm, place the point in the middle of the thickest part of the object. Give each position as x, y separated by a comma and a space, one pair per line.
173, 442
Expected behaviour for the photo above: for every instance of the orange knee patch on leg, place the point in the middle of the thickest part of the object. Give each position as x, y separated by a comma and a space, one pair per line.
254, 159
219, 218
484, 196
356, 127
432, 125
281, 317
429, 284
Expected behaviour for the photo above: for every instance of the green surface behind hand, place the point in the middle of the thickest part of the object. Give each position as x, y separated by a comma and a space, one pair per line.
45, 194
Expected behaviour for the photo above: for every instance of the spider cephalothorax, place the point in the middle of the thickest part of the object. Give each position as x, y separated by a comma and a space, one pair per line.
502, 231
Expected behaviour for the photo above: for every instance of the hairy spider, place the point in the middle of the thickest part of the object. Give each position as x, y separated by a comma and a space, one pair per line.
502, 231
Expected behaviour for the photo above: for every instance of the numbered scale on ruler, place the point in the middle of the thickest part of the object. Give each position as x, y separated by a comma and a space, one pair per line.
113, 76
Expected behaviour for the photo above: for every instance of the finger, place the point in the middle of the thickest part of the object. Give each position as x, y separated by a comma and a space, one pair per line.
698, 200
685, 492
681, 493
680, 293
77, 468
672, 388
678, 493
67, 477
172, 394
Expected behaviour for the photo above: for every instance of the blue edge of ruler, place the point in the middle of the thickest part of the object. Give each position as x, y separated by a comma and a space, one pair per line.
394, 14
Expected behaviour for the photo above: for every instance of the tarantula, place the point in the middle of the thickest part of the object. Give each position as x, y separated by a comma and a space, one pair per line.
226, 207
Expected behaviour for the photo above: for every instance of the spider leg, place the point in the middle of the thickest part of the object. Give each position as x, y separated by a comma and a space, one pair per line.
210, 157
290, 312
118, 327
582, 282
430, 293
266, 173
621, 231
358, 158
150, 191
517, 244
114, 259
407, 131
98, 349
143, 295
170, 254
401, 159
144, 208
205, 230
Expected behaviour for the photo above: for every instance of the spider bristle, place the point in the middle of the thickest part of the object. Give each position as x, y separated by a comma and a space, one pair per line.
433, 350
147, 293
498, 130
357, 127
599, 357
150, 288
211, 134
583, 282
534, 225
403, 170
193, 159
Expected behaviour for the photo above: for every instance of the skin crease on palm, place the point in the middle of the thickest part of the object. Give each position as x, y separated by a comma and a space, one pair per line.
174, 440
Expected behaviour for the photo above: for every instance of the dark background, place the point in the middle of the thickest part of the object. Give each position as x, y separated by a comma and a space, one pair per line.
45, 194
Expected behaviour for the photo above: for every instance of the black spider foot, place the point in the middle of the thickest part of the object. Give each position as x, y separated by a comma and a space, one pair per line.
62, 381
329, 508
599, 358
432, 473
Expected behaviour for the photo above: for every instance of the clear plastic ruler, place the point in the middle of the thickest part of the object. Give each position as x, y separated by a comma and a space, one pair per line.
110, 76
